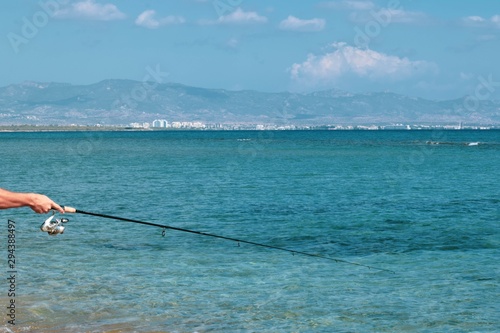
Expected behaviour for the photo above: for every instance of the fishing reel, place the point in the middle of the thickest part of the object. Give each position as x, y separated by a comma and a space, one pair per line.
53, 226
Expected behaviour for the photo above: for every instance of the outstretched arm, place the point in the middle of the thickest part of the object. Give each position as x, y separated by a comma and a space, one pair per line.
37, 202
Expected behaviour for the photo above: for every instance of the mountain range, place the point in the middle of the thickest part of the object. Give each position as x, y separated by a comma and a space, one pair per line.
121, 102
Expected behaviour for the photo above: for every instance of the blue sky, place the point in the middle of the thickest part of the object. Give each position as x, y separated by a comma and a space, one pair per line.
431, 49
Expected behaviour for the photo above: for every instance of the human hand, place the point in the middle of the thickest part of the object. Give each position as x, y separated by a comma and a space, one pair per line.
40, 203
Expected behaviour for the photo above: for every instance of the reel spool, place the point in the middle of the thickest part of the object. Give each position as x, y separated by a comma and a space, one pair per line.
53, 226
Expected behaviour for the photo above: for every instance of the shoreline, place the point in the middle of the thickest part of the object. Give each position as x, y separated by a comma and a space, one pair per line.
50, 128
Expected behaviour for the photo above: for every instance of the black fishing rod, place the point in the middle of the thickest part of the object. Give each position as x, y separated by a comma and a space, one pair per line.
55, 227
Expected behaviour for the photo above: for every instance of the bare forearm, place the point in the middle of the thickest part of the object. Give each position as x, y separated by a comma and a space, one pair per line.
10, 199
37, 202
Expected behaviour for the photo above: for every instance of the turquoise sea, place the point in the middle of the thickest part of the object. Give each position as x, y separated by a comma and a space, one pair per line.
424, 204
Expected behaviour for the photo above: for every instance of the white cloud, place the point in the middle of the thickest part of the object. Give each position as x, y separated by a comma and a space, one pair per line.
404, 16
479, 21
90, 10
147, 20
466, 76
386, 16
349, 4
239, 16
295, 24
347, 60
474, 21
366, 11
233, 43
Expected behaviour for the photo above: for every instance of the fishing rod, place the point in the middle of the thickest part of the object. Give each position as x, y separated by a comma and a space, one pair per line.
54, 227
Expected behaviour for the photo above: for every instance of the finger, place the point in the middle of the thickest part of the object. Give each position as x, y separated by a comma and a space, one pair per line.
58, 208
39, 210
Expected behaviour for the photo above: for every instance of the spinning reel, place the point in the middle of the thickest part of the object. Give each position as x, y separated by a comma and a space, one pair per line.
53, 227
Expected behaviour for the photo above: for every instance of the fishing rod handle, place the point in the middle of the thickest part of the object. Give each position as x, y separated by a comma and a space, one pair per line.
69, 209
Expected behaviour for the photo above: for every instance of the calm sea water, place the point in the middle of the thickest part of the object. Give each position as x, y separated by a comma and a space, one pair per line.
424, 204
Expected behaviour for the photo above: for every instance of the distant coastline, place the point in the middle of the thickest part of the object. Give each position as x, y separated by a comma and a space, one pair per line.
116, 128
112, 103
55, 128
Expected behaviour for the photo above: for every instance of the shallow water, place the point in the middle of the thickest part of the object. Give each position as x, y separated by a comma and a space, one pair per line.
424, 204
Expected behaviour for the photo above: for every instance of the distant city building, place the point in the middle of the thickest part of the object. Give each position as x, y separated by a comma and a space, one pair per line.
139, 125
161, 123
198, 125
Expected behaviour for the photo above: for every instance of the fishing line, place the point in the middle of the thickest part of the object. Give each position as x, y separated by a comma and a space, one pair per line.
68, 209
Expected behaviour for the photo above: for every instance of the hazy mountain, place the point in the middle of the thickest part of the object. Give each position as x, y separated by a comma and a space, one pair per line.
125, 101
